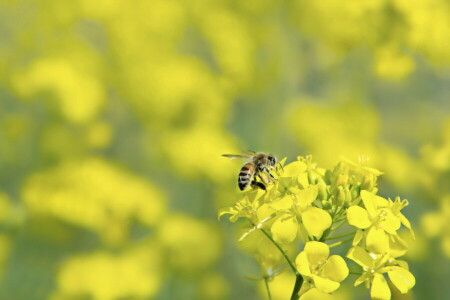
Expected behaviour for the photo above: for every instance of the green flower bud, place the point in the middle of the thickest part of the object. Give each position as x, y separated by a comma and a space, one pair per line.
354, 191
326, 204
312, 178
368, 182
348, 197
322, 191
339, 196
342, 179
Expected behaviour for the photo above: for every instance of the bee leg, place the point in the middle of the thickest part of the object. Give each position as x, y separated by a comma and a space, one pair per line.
270, 174
279, 166
258, 185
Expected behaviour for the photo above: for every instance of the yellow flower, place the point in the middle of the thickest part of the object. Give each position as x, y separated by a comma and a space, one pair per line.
304, 217
374, 266
379, 220
244, 208
319, 270
314, 220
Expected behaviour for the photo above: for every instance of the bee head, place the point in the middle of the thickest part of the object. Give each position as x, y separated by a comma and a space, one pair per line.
272, 160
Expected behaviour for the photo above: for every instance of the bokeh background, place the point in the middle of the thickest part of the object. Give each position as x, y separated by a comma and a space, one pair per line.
113, 116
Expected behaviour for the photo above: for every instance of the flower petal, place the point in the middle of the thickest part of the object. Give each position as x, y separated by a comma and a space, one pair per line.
335, 268
397, 246
317, 252
284, 229
402, 279
363, 278
380, 289
390, 223
303, 265
316, 220
358, 237
324, 284
369, 202
294, 169
315, 294
283, 203
358, 217
361, 257
377, 240
308, 195
265, 211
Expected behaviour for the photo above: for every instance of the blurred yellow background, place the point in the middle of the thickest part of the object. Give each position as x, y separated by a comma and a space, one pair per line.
113, 116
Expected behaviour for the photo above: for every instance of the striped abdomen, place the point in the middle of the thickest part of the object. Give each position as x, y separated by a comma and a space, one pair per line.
246, 175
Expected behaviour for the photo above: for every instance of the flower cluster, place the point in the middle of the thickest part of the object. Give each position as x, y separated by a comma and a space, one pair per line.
320, 208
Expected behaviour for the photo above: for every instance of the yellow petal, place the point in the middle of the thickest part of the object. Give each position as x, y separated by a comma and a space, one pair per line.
308, 195
303, 233
335, 268
373, 202
317, 252
284, 229
377, 240
404, 221
358, 237
282, 204
363, 278
361, 257
303, 265
390, 223
369, 202
265, 211
402, 279
294, 169
324, 284
358, 217
397, 246
302, 179
316, 220
380, 289
315, 294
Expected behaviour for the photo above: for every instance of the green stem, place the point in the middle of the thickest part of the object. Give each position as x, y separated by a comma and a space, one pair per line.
298, 277
266, 281
340, 225
340, 242
297, 286
355, 273
325, 235
340, 236
291, 264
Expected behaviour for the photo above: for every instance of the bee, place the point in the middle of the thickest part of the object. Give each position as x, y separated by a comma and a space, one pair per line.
258, 165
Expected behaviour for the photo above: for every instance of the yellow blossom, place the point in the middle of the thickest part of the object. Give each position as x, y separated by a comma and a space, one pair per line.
321, 271
374, 266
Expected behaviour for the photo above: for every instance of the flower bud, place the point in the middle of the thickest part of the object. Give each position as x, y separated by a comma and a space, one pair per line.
312, 178
322, 191
355, 191
348, 197
342, 179
339, 196
368, 182
326, 204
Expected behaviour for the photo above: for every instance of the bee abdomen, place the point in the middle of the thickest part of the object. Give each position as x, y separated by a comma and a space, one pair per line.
246, 176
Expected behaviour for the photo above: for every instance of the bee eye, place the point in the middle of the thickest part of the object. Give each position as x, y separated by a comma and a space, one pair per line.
272, 160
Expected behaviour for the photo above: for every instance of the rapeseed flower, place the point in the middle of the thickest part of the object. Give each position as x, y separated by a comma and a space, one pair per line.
320, 270
374, 266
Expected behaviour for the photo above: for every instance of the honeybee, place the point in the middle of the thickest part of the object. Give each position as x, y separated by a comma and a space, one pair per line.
258, 165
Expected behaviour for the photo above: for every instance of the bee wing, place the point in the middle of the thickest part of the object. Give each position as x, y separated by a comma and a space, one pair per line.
249, 152
235, 156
